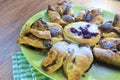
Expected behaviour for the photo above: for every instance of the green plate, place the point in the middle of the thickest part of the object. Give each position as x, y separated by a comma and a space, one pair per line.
96, 72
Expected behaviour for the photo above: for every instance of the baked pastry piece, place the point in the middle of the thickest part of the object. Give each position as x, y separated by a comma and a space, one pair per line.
42, 26
75, 59
109, 30
65, 7
106, 27
108, 51
90, 15
35, 38
56, 32
61, 14
54, 28
55, 57
110, 35
82, 33
79, 60
41, 34
113, 33
39, 25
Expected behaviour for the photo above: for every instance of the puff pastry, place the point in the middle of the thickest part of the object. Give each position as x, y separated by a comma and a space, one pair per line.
61, 14
35, 38
45, 30
90, 15
70, 38
114, 33
109, 30
55, 57
82, 33
108, 51
76, 60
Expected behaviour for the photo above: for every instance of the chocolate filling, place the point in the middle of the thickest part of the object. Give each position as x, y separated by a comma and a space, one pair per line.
45, 67
31, 36
46, 43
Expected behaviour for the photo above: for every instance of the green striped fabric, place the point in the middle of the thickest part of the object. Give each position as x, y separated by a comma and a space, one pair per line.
22, 70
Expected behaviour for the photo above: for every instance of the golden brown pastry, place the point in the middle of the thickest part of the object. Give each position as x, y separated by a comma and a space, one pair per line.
61, 14
56, 32
75, 59
80, 16
78, 61
39, 25
109, 31
110, 35
82, 33
55, 57
55, 16
54, 28
65, 7
108, 51
90, 15
45, 35
40, 34
35, 38
97, 15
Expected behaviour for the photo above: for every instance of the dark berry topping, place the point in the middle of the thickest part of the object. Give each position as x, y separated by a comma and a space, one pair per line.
107, 45
88, 25
87, 36
73, 30
55, 31
88, 17
84, 32
94, 34
79, 33
106, 26
68, 18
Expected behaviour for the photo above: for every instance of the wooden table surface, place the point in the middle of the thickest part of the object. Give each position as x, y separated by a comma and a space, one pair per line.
14, 13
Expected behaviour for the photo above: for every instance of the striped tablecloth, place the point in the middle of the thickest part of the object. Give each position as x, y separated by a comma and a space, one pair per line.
22, 70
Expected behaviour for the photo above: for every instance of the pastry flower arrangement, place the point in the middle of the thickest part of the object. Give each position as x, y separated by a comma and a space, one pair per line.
74, 41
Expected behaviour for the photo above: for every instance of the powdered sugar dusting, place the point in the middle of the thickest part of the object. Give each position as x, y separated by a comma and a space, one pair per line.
68, 48
60, 46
